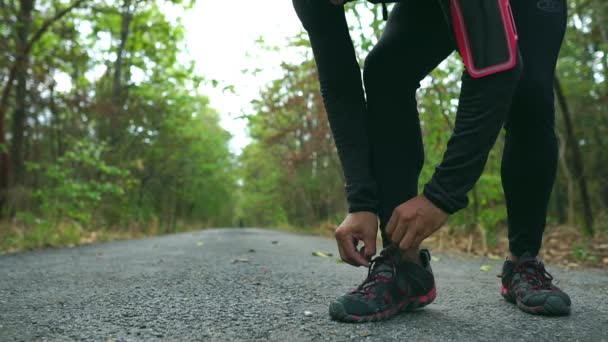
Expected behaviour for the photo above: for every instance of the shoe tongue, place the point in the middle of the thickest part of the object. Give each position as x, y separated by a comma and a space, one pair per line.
529, 260
383, 267
390, 256
526, 257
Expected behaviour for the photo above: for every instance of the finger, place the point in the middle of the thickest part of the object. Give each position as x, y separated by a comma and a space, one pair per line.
351, 254
355, 255
392, 224
399, 232
370, 246
421, 234
342, 254
361, 252
419, 239
408, 240
343, 240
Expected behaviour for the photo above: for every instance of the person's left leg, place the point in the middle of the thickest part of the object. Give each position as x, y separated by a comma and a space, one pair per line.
415, 40
530, 158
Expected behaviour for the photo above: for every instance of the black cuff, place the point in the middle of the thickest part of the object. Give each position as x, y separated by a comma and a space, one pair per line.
362, 197
442, 200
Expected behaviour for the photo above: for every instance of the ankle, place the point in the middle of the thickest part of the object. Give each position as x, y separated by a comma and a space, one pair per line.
411, 255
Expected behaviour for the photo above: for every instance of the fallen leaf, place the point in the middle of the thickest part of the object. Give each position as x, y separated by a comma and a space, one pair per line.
485, 268
234, 261
494, 257
321, 254
200, 243
365, 333
435, 259
339, 261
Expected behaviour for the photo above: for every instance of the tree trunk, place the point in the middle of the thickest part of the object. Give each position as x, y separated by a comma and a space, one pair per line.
568, 176
6, 92
20, 112
577, 160
117, 96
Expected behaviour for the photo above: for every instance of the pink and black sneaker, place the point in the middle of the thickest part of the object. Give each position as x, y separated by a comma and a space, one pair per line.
527, 284
391, 286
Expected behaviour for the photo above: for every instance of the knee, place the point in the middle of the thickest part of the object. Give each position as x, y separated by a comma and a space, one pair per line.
509, 79
533, 109
313, 14
372, 68
383, 73
536, 92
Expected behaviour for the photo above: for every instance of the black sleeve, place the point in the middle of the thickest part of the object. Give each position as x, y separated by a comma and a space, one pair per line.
343, 96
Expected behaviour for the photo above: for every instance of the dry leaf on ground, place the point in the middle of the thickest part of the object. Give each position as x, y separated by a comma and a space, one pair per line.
485, 268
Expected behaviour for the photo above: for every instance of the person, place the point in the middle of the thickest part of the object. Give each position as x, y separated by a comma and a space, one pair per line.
378, 137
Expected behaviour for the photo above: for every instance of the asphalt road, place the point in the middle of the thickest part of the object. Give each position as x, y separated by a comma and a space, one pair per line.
236, 284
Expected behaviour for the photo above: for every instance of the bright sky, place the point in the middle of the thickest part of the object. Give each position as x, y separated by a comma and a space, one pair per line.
221, 38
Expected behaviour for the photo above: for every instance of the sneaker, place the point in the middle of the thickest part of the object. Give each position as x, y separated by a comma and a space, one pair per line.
527, 284
391, 286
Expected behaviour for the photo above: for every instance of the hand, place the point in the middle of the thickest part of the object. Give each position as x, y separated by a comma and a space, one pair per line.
414, 221
359, 226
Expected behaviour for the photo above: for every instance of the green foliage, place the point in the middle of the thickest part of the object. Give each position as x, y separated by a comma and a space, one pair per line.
39, 233
291, 173
261, 203
581, 252
124, 142
77, 183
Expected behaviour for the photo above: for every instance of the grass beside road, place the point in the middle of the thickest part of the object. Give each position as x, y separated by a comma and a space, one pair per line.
564, 246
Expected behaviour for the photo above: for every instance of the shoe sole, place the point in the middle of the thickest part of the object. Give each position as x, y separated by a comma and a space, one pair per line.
338, 313
551, 308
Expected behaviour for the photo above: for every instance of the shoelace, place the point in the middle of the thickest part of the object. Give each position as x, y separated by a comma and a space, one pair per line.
534, 272
374, 275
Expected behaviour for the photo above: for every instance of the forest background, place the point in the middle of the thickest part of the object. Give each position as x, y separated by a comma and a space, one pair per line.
105, 133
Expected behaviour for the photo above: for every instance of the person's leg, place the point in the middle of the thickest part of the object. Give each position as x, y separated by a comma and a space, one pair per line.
410, 47
530, 153
342, 91
415, 41
530, 159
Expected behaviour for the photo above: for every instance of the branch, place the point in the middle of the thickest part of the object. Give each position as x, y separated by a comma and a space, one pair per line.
47, 24
28, 47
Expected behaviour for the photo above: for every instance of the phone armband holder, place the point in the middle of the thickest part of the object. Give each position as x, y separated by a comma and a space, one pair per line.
486, 35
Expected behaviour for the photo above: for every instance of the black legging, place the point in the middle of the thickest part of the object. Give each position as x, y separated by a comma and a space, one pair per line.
415, 41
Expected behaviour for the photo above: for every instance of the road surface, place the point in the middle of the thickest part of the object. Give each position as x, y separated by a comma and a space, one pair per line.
259, 285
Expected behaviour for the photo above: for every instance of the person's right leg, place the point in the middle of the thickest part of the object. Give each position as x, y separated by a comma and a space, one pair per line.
529, 162
530, 159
